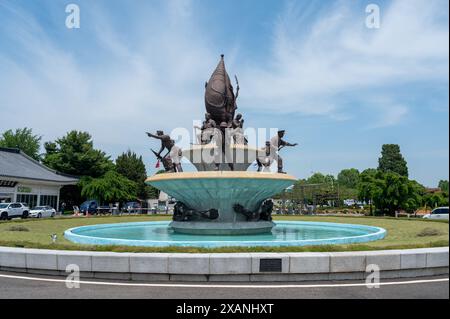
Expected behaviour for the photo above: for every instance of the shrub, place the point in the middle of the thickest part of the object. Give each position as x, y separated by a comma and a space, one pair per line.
18, 228
429, 232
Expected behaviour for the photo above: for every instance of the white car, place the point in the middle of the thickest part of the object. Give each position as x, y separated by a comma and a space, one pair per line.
438, 213
11, 210
42, 211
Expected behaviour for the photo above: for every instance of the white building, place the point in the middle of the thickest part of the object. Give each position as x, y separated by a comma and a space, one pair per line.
22, 179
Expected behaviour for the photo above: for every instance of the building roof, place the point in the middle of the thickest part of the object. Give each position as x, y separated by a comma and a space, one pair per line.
433, 190
17, 165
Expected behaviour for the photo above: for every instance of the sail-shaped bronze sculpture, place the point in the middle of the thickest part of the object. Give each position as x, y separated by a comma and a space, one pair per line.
220, 100
223, 197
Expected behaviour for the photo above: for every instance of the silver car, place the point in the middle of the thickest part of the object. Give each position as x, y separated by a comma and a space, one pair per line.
11, 210
438, 213
42, 211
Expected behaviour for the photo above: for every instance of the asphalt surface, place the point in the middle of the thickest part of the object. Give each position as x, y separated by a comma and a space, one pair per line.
38, 287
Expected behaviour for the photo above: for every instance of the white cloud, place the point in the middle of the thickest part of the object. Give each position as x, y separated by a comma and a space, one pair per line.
150, 74
140, 88
337, 55
389, 115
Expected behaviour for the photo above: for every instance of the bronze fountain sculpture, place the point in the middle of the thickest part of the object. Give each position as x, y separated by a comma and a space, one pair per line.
222, 198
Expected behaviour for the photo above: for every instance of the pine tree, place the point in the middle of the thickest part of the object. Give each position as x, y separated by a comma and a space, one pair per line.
391, 160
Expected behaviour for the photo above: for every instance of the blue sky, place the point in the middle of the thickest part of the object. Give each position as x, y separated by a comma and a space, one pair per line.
311, 67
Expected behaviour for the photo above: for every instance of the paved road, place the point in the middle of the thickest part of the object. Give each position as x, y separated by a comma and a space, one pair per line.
36, 286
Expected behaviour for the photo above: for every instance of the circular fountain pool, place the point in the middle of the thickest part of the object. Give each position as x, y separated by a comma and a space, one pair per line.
285, 233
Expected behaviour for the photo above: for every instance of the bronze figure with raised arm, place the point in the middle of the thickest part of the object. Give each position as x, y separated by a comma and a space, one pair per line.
173, 151
278, 143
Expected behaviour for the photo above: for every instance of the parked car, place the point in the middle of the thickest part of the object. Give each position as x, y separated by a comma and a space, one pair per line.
89, 206
42, 211
12, 210
26, 205
131, 207
438, 213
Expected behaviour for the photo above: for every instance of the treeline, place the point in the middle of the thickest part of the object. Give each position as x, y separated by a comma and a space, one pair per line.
74, 154
385, 189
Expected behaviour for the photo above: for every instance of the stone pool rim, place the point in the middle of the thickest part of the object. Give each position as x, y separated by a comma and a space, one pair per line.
378, 233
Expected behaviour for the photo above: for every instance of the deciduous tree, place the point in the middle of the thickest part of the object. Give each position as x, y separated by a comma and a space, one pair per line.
23, 139
443, 185
112, 187
132, 167
75, 154
348, 178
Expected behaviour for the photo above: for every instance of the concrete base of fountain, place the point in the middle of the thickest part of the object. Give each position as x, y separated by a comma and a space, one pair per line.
221, 190
219, 228
204, 157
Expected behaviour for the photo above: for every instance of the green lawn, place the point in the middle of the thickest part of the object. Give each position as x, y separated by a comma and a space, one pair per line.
402, 233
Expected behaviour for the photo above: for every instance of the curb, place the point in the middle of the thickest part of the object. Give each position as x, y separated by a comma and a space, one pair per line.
305, 266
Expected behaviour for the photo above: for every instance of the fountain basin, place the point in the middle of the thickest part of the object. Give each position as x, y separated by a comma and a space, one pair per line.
221, 190
285, 233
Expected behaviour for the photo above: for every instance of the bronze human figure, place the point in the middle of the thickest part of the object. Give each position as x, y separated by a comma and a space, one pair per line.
206, 130
266, 210
237, 126
278, 143
265, 157
250, 215
167, 163
166, 141
182, 213
173, 151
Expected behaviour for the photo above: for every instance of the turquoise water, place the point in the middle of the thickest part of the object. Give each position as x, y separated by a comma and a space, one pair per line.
159, 234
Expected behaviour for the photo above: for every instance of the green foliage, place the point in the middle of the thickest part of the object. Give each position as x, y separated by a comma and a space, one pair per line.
348, 178
392, 192
433, 200
319, 178
391, 160
348, 193
368, 186
415, 196
318, 189
401, 234
152, 192
389, 191
443, 185
75, 154
132, 167
23, 139
112, 187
